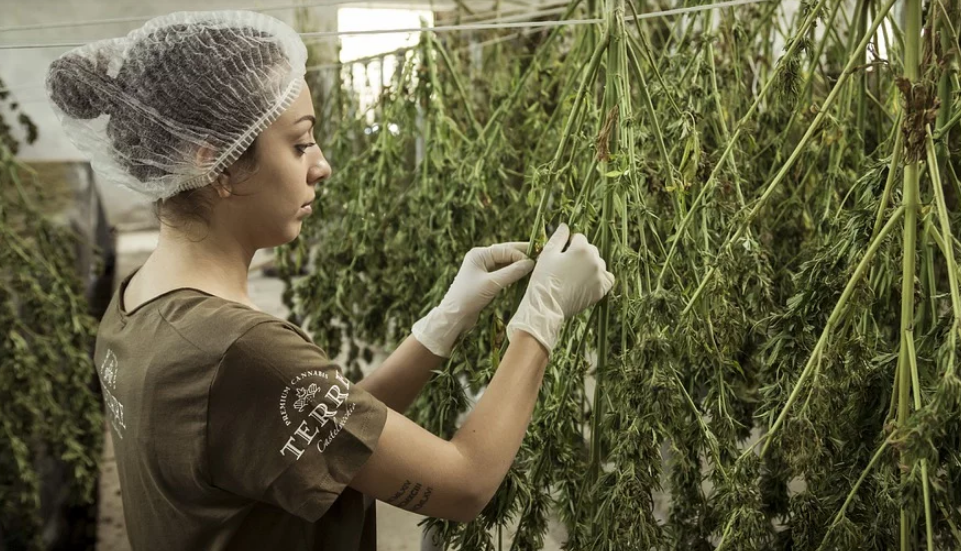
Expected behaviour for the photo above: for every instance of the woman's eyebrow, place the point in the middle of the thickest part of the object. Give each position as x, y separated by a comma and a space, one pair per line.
310, 118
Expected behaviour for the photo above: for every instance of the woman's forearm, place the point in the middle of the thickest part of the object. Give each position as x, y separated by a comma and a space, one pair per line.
402, 376
494, 430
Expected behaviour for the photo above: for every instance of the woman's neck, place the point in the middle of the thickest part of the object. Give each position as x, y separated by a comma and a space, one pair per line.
216, 265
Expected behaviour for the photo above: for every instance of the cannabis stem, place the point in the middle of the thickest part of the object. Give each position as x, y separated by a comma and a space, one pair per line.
910, 200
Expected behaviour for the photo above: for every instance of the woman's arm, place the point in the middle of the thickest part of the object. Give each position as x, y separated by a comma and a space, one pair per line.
412, 469
399, 380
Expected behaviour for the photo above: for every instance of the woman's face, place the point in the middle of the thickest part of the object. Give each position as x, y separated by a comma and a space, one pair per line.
289, 165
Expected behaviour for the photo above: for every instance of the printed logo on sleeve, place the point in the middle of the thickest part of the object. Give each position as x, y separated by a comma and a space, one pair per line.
321, 416
305, 395
108, 383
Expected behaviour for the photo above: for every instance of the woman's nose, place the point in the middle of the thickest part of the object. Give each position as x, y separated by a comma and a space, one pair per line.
320, 170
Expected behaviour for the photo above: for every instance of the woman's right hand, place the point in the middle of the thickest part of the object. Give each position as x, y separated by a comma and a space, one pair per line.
562, 284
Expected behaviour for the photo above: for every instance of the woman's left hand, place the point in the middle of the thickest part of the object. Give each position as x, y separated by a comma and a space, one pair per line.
483, 273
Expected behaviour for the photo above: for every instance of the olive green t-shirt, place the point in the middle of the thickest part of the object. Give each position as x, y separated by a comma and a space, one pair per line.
232, 430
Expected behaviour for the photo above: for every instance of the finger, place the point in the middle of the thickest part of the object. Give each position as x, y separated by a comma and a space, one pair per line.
510, 274
478, 256
521, 246
558, 240
579, 241
610, 281
504, 253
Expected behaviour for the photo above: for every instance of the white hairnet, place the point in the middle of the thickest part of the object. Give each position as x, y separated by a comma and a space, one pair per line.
171, 105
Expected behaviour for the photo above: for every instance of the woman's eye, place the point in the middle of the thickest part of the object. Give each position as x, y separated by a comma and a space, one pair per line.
302, 146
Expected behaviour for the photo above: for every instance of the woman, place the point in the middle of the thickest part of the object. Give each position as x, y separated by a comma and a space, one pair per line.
231, 429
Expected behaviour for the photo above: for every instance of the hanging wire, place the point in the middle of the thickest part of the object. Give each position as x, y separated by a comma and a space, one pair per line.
452, 28
508, 18
141, 18
526, 25
398, 51
331, 66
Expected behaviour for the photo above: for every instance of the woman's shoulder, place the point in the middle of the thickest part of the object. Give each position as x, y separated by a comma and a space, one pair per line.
214, 323
267, 328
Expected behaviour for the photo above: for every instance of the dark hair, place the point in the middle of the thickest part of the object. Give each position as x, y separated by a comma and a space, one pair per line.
154, 74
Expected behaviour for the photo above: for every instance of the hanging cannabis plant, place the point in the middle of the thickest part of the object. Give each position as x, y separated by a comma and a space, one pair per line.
776, 367
48, 409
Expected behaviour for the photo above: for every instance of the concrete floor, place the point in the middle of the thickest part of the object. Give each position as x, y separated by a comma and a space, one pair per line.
397, 529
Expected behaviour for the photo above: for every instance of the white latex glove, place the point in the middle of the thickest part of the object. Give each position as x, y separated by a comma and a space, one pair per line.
563, 284
476, 284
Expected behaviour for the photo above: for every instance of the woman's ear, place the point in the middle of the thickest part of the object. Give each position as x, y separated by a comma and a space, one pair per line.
221, 183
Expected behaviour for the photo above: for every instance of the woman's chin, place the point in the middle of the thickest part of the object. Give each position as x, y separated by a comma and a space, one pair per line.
291, 235
285, 235
297, 228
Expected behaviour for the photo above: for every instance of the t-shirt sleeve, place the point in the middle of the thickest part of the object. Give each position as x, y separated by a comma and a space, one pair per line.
284, 426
